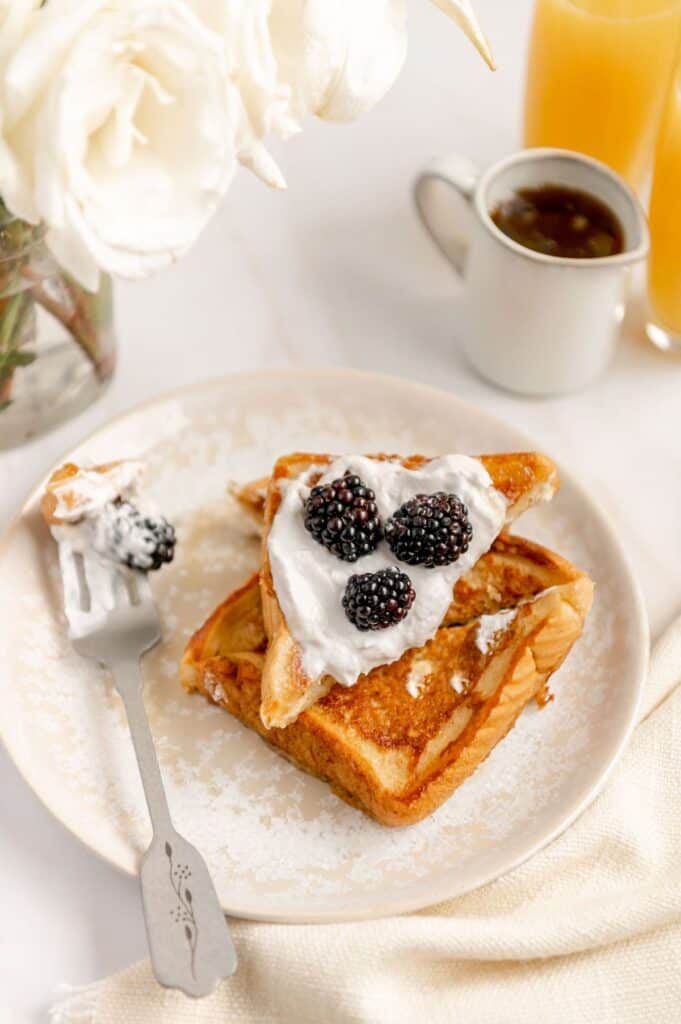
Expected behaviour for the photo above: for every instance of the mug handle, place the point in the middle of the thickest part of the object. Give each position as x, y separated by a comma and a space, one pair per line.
450, 233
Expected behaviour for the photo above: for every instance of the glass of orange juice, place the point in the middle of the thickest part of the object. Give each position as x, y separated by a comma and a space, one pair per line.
664, 265
597, 75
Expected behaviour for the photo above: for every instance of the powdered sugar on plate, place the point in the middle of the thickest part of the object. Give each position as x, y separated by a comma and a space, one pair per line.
278, 842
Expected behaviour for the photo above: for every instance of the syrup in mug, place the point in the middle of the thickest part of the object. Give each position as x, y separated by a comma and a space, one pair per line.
560, 221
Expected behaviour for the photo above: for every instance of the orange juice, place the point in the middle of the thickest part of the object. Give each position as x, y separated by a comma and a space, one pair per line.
597, 75
664, 266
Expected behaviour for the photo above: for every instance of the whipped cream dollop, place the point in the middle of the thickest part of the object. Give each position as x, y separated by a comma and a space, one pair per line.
458, 682
418, 673
310, 581
491, 626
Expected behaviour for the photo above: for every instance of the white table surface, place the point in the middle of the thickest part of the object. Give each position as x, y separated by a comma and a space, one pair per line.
335, 272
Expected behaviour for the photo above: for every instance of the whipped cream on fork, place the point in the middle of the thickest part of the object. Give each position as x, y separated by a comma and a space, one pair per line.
97, 529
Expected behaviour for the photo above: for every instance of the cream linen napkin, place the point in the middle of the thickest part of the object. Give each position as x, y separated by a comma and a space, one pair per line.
589, 930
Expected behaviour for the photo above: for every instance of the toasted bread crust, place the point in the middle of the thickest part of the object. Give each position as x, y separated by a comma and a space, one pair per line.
513, 570
522, 478
395, 756
251, 497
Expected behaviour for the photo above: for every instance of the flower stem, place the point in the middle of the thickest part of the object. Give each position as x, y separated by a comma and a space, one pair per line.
71, 308
15, 312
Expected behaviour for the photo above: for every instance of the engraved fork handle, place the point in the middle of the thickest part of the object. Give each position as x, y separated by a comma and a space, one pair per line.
189, 941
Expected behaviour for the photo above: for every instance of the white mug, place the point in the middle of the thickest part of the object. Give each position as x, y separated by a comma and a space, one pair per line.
531, 323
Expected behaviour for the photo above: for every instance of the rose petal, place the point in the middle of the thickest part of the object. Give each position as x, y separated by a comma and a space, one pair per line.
462, 13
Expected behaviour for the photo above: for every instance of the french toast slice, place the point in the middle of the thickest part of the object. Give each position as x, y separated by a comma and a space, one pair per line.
523, 479
251, 496
399, 742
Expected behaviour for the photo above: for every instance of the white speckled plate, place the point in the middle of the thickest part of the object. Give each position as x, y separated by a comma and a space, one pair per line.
279, 844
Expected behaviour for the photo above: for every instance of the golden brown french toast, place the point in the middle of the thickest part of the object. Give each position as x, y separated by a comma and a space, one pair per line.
522, 478
399, 742
251, 496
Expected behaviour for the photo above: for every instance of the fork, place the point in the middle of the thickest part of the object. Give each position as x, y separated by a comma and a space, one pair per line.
113, 620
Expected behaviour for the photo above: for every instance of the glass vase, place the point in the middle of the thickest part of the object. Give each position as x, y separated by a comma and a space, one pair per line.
57, 343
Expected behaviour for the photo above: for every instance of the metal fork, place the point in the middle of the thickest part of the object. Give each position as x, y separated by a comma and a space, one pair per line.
113, 620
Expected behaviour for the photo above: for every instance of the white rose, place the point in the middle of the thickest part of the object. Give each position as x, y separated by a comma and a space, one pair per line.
331, 58
243, 26
16, 18
339, 57
122, 118
291, 58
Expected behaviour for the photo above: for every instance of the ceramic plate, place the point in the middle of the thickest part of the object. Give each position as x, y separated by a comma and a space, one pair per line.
280, 846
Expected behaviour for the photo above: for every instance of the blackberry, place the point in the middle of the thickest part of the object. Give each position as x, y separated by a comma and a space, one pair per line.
429, 530
344, 518
375, 600
139, 541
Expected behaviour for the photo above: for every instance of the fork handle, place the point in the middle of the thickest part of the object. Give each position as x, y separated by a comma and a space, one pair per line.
129, 684
189, 941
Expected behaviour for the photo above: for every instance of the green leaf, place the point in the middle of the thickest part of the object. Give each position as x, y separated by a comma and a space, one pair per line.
10, 360
5, 404
23, 358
